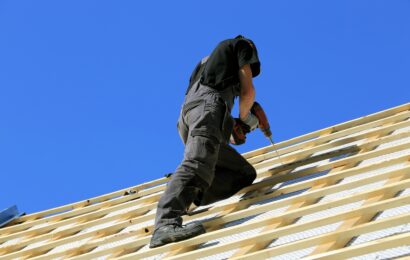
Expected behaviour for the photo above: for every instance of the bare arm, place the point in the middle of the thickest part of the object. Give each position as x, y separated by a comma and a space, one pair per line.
247, 96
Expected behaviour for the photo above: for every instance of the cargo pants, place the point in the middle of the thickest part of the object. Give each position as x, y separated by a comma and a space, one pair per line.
211, 169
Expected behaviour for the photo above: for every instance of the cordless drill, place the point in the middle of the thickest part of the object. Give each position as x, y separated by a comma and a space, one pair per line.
240, 129
264, 126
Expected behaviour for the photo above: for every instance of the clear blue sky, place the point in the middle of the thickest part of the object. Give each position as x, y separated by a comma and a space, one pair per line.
90, 91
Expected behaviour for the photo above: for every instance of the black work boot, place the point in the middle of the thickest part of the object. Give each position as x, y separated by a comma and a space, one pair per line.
174, 233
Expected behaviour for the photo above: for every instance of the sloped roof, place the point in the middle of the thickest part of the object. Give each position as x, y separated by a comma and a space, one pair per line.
340, 192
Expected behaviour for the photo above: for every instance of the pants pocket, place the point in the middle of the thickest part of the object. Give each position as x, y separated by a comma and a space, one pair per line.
192, 111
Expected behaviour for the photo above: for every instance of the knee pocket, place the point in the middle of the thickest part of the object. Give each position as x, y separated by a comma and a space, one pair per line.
207, 139
202, 149
207, 132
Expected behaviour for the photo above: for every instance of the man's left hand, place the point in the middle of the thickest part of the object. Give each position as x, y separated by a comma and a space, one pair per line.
240, 129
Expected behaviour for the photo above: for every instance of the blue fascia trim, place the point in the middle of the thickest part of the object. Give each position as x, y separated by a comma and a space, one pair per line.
9, 214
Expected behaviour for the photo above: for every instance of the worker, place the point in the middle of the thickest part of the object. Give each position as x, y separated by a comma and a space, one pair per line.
211, 169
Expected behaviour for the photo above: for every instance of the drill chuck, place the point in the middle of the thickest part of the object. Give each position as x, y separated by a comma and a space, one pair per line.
266, 132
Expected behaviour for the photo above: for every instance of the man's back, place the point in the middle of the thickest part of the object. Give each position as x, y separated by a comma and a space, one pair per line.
223, 64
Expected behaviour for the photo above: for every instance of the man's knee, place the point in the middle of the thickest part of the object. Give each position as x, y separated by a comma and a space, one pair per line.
250, 174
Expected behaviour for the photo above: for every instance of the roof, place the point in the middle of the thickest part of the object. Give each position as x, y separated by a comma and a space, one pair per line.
339, 192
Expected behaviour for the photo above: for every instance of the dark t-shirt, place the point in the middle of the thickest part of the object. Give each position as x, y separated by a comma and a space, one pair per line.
222, 67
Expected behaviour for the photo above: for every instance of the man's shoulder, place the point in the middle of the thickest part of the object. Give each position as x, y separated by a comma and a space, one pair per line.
230, 45
225, 43
232, 41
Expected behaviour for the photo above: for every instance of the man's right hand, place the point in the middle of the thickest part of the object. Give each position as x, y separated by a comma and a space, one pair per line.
251, 120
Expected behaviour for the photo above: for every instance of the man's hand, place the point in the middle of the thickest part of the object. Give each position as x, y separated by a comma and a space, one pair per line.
240, 129
251, 120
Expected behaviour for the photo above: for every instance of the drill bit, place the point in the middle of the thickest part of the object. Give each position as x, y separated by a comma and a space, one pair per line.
276, 151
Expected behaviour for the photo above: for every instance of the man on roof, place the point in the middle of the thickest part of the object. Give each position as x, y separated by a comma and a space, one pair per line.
211, 169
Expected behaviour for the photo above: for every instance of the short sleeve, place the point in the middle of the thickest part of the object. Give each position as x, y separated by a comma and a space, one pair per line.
247, 54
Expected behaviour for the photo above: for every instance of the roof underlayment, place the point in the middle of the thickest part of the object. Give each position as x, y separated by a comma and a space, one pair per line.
341, 192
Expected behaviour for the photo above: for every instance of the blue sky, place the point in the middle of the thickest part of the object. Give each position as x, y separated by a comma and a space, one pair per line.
90, 91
